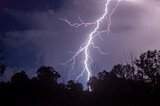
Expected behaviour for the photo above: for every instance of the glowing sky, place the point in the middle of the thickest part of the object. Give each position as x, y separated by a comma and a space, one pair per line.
33, 35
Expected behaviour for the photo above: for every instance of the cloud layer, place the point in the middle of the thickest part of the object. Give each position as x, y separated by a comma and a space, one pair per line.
40, 38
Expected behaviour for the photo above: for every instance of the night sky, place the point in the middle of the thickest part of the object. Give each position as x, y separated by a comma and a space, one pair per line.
33, 35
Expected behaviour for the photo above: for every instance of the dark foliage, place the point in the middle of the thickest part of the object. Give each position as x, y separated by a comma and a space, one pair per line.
124, 85
2, 67
47, 74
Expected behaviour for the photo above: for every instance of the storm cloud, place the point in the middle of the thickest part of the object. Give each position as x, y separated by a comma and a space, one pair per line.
32, 5
34, 31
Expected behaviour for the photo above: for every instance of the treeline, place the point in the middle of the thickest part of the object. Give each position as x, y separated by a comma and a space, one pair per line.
136, 84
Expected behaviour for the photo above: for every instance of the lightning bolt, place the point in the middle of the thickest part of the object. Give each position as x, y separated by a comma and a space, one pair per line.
85, 47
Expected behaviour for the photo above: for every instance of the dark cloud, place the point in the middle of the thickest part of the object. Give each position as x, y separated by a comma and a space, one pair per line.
32, 5
36, 35
10, 23
25, 48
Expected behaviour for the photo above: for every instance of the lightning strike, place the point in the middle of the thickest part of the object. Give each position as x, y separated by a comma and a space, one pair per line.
85, 47
109, 18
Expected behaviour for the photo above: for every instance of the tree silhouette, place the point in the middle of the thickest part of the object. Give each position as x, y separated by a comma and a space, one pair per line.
19, 78
47, 73
123, 71
103, 75
124, 84
2, 67
94, 83
149, 64
74, 86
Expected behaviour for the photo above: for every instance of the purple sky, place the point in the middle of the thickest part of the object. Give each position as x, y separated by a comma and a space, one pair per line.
33, 35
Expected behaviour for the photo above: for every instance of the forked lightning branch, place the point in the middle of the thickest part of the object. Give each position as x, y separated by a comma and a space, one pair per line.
89, 42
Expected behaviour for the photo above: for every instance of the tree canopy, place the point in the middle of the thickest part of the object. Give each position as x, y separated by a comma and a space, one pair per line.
124, 84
